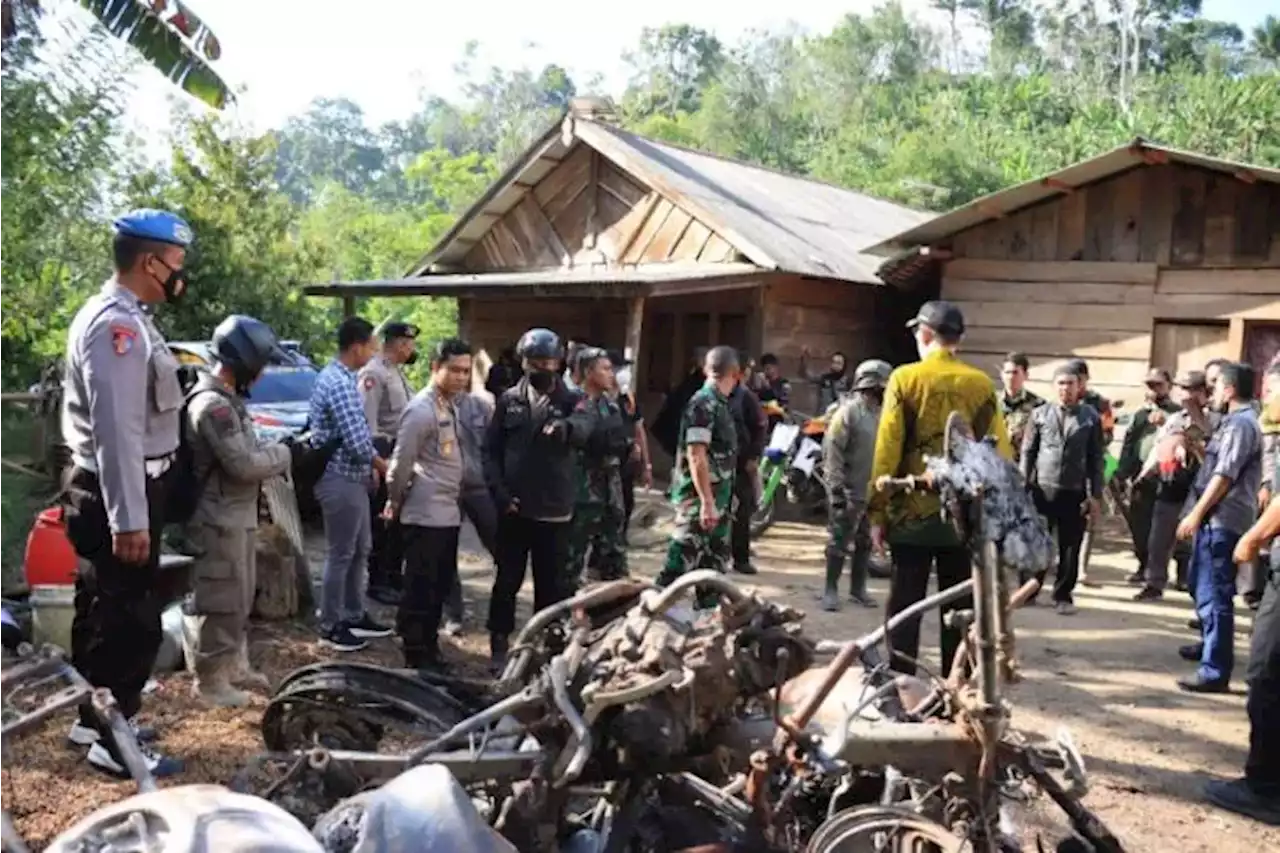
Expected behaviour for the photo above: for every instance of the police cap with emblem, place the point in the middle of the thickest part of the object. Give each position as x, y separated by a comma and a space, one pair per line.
157, 225
396, 330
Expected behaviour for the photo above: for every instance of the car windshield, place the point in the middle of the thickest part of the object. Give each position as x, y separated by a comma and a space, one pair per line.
283, 385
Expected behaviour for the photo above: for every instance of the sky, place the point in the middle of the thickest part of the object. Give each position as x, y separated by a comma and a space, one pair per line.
286, 53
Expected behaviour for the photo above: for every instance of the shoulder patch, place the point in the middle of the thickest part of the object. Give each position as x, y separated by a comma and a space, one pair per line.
223, 417
369, 382
123, 337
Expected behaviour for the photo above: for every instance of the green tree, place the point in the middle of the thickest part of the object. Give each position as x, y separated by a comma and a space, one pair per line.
672, 67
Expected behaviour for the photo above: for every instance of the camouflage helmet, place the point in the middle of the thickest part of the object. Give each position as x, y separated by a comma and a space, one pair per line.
872, 373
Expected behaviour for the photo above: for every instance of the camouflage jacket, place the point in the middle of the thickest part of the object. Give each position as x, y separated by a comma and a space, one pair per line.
1017, 412
708, 421
599, 462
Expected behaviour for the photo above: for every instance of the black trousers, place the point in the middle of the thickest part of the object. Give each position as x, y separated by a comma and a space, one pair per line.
1141, 507
1063, 512
910, 583
744, 492
522, 541
115, 632
1262, 767
386, 556
478, 507
430, 572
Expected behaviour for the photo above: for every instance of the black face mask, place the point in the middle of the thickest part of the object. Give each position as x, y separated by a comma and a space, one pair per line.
413, 358
177, 275
542, 381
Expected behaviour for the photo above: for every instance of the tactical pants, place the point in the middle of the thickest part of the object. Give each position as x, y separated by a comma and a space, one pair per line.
848, 537
910, 583
1262, 767
1163, 544
628, 496
225, 580
1141, 513
744, 491
596, 528
115, 632
430, 572
691, 546
522, 541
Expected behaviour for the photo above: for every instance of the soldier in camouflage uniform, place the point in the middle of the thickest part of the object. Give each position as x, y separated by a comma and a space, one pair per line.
1017, 402
599, 510
702, 487
847, 452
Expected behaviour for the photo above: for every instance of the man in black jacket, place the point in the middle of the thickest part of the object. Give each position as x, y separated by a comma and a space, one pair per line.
1062, 464
528, 463
752, 426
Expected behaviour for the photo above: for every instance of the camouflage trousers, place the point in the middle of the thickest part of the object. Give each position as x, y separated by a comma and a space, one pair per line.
596, 529
848, 537
691, 546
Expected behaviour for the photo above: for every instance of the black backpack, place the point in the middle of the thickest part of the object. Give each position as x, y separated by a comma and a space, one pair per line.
185, 486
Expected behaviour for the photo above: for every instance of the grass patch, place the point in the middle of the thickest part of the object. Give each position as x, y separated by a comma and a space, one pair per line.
21, 497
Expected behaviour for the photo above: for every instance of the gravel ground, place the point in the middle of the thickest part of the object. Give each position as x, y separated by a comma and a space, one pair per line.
1107, 673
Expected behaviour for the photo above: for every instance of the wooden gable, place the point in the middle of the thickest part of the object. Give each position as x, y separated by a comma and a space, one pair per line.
1170, 214
586, 211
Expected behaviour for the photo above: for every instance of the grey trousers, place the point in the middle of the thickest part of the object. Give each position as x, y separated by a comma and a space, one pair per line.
348, 538
1162, 545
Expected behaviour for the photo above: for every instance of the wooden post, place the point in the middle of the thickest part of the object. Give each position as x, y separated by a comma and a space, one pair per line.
348, 305
635, 325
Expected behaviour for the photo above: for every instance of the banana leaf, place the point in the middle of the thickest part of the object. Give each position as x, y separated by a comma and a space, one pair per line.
162, 43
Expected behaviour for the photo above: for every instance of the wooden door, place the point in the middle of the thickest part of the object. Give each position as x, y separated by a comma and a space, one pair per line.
1261, 347
1180, 347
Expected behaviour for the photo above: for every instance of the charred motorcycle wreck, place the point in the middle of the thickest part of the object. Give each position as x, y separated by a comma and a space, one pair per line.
628, 721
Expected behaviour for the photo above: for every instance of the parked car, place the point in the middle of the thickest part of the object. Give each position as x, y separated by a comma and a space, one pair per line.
281, 398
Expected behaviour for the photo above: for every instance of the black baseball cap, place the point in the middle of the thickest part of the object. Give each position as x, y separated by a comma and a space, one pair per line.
392, 331
940, 315
618, 359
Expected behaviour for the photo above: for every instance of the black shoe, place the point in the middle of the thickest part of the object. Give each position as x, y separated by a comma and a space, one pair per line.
385, 595
863, 600
1194, 624
1148, 593
1138, 578
498, 646
366, 628
1199, 684
1236, 796
1191, 652
746, 569
160, 765
1181, 587
340, 639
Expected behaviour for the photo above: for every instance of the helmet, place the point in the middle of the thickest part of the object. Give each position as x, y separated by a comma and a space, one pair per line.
187, 819
540, 343
246, 345
872, 373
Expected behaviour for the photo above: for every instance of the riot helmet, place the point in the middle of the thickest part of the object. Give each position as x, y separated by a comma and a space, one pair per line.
540, 345
872, 373
246, 345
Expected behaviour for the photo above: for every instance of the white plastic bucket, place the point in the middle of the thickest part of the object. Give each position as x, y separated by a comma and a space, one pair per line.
52, 609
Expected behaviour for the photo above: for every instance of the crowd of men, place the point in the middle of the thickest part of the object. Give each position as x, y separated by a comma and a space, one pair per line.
544, 474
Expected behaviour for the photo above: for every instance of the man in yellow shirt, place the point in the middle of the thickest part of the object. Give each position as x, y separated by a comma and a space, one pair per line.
918, 400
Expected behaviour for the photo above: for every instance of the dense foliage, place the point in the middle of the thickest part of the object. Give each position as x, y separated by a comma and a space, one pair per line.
929, 114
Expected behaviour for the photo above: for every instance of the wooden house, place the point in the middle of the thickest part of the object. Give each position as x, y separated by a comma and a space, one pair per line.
1141, 256
611, 238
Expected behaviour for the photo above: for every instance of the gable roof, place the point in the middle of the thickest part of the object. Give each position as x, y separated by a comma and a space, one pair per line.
777, 221
1139, 152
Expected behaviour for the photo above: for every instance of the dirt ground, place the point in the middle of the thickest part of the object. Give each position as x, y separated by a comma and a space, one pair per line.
1107, 673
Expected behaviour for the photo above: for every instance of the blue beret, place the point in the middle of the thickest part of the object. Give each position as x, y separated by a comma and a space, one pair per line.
158, 225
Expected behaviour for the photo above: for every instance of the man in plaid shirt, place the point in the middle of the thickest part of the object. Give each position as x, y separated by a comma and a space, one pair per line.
343, 492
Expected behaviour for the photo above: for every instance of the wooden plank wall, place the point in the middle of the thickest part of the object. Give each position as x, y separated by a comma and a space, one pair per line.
1054, 311
824, 316
587, 211
1170, 214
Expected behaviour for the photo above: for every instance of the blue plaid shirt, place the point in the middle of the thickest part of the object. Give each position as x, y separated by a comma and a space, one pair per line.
336, 410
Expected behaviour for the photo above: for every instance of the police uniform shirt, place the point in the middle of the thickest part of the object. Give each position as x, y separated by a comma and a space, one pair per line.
121, 401
385, 392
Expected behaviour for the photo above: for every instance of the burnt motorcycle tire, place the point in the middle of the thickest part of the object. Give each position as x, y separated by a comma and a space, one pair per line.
859, 830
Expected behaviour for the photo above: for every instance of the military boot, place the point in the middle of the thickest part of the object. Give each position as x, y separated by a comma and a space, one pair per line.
830, 600
213, 686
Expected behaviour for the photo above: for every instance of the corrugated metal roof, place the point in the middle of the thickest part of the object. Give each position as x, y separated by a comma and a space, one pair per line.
504, 282
778, 221
1015, 198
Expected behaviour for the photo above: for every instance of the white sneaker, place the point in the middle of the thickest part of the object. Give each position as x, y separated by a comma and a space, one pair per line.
159, 765
82, 735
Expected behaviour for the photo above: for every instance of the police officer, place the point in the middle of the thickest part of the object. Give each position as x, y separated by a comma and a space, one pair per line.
918, 401
599, 509
121, 404
231, 466
528, 465
702, 485
385, 392
848, 448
